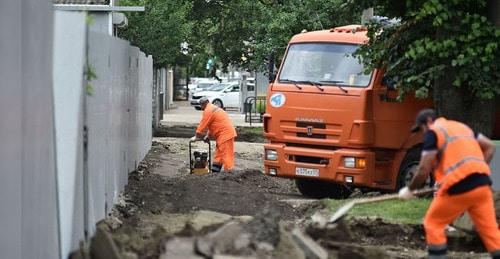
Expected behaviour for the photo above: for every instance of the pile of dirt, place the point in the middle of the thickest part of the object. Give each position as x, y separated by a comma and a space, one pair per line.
220, 192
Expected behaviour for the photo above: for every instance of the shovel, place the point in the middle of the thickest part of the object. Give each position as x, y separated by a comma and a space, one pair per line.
342, 211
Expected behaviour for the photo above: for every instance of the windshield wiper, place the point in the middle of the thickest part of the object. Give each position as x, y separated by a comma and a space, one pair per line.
335, 82
318, 85
291, 81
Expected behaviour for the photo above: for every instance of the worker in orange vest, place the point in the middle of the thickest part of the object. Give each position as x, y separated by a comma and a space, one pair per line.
459, 158
219, 126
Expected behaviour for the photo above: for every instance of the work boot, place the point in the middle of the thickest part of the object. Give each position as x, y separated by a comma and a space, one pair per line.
216, 168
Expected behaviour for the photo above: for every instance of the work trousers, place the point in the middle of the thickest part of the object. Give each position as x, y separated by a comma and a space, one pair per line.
224, 156
445, 208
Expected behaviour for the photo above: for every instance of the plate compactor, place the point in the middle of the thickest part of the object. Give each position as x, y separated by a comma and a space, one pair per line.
200, 160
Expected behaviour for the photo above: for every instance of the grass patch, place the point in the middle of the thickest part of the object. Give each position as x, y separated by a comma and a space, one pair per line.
252, 130
395, 211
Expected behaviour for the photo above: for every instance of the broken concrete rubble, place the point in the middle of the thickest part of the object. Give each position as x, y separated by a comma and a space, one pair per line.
224, 237
204, 246
179, 248
113, 222
204, 218
103, 246
311, 249
287, 248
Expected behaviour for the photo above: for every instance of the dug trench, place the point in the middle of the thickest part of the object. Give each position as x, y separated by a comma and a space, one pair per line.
245, 134
165, 212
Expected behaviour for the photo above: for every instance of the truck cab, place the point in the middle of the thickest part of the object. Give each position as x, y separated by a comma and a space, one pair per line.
332, 127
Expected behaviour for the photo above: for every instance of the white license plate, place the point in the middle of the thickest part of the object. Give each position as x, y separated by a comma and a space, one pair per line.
307, 171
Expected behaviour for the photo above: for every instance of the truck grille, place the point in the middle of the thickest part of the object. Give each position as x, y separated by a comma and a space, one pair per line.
311, 146
305, 135
196, 97
316, 125
309, 159
314, 131
310, 126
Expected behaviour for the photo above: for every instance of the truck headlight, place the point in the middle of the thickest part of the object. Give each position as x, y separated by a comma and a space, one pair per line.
354, 162
271, 155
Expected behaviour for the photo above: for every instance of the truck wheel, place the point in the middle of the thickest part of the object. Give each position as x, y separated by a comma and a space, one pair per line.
321, 189
409, 167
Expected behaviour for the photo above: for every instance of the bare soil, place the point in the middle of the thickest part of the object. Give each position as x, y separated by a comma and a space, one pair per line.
245, 134
162, 201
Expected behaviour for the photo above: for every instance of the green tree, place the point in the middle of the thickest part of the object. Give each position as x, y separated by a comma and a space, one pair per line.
244, 32
283, 19
160, 30
446, 49
236, 32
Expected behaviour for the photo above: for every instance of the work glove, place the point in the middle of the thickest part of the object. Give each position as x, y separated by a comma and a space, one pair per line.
405, 193
194, 138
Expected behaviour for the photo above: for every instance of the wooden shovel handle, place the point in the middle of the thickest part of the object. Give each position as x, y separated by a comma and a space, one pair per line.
387, 197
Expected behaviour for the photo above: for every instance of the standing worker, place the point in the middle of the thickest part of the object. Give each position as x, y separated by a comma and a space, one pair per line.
219, 127
459, 159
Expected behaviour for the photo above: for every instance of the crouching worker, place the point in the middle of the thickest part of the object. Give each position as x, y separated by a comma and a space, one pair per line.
221, 128
459, 158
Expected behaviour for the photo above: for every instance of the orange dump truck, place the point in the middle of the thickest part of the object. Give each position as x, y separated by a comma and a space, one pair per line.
330, 126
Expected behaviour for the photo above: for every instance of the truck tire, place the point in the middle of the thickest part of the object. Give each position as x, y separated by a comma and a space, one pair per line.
321, 189
408, 169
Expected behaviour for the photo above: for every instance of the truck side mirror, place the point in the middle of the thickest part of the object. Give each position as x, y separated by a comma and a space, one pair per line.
389, 83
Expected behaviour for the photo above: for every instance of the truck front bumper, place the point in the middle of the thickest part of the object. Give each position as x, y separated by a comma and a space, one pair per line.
321, 164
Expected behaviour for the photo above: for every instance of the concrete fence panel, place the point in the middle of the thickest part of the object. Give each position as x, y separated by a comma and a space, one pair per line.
98, 114
118, 133
28, 197
133, 132
495, 169
69, 62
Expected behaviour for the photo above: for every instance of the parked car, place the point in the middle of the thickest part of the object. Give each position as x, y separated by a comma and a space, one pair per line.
225, 95
201, 84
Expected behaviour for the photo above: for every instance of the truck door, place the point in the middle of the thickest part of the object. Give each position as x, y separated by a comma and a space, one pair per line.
392, 117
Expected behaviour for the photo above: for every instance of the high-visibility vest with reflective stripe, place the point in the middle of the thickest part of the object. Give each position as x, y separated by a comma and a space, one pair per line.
459, 153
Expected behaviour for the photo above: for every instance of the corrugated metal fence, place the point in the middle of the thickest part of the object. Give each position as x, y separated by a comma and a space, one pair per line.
51, 192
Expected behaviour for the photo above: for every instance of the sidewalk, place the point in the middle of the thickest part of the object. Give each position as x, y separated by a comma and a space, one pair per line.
186, 115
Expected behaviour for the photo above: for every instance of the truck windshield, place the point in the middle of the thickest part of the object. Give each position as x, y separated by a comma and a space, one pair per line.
323, 64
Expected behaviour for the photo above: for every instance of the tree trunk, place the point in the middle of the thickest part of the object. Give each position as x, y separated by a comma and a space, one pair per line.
457, 103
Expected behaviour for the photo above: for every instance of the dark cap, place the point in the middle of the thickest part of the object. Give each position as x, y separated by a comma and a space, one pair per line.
203, 100
422, 118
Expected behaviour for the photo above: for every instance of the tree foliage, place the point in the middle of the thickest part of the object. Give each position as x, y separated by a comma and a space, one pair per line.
447, 48
433, 37
235, 32
160, 30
